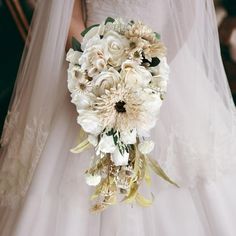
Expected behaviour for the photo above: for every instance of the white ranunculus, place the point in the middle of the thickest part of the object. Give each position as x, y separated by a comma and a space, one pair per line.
106, 80
106, 144
119, 159
82, 101
93, 140
116, 46
73, 56
95, 32
93, 60
135, 75
90, 122
161, 75
152, 101
146, 147
164, 69
92, 180
129, 137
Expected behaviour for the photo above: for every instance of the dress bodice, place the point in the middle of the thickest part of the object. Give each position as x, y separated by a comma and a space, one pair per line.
147, 11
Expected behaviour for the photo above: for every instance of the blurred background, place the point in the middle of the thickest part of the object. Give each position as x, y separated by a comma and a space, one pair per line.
15, 17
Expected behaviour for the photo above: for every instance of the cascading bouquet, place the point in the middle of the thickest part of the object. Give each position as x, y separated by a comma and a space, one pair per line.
118, 78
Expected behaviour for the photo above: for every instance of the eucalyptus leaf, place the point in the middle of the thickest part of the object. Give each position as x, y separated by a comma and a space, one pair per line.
141, 200
158, 170
76, 45
81, 146
83, 33
109, 19
158, 36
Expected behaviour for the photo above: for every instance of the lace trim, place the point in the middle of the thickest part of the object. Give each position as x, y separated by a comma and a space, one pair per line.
21, 152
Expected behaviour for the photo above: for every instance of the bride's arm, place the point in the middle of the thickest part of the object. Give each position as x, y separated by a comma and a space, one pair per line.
77, 24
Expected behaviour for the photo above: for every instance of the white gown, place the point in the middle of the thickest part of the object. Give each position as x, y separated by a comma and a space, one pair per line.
194, 152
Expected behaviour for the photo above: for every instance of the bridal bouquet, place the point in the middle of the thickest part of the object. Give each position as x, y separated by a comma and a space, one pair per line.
118, 78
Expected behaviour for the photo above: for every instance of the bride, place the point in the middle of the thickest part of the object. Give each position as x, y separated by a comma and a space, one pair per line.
42, 188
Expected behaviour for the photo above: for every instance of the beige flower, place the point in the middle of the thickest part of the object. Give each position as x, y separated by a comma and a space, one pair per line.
119, 108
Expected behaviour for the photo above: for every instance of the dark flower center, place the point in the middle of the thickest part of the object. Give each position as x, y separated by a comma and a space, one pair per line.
120, 107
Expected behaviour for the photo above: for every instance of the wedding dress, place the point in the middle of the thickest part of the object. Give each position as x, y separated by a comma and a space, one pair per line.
42, 188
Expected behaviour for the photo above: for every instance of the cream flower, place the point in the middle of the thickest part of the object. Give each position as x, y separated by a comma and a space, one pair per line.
129, 136
73, 56
92, 180
93, 60
154, 50
119, 108
146, 147
90, 122
95, 32
160, 75
119, 159
106, 80
78, 82
135, 75
116, 46
106, 144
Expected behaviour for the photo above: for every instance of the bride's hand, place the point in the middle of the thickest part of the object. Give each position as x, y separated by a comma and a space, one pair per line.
77, 24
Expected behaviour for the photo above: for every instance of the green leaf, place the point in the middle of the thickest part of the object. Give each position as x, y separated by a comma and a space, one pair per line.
76, 44
115, 139
109, 19
158, 36
158, 170
155, 62
83, 33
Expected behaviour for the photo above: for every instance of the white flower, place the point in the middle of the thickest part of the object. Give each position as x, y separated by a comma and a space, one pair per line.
96, 31
129, 137
119, 159
73, 56
106, 144
135, 75
82, 101
161, 75
106, 80
116, 46
146, 147
92, 180
89, 121
93, 60
93, 140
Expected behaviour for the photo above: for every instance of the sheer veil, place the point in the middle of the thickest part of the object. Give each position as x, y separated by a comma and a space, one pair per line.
196, 131
35, 97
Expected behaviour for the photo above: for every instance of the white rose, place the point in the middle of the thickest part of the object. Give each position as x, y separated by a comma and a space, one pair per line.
119, 159
89, 121
82, 101
116, 45
152, 101
73, 56
135, 75
106, 80
161, 75
92, 180
93, 60
106, 144
146, 147
96, 31
129, 137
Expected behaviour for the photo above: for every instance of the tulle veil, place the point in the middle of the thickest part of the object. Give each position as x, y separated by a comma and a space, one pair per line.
196, 131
